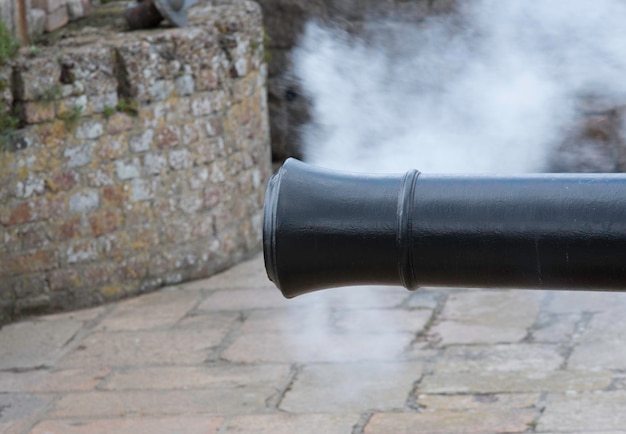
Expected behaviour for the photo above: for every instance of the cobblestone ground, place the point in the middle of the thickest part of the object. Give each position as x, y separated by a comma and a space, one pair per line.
230, 355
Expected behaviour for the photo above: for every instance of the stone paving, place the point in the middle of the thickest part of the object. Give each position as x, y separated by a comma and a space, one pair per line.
230, 355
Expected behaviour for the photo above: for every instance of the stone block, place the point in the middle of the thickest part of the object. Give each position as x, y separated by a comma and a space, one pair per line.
184, 85
488, 317
46, 342
135, 267
317, 346
64, 279
36, 23
81, 251
35, 236
167, 137
89, 68
159, 310
84, 201
69, 108
161, 90
61, 181
126, 425
46, 381
199, 178
91, 405
514, 382
157, 348
515, 357
292, 423
36, 112
116, 195
128, 169
351, 387
443, 422
31, 262
141, 189
206, 79
111, 148
29, 187
57, 18
16, 214
119, 122
502, 401
192, 132
104, 175
104, 222
211, 197
35, 78
48, 207
89, 129
584, 412
70, 228
20, 411
101, 273
202, 105
78, 156
180, 159
28, 285
191, 202
115, 245
382, 320
154, 163
565, 302
76, 9
198, 377
142, 142
33, 304
48, 5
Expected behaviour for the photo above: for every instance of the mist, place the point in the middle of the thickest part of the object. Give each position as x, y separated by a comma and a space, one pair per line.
494, 88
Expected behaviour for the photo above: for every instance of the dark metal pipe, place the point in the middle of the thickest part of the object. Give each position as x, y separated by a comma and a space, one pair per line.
325, 228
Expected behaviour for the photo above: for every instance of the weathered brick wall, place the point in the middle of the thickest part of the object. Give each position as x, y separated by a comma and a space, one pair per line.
141, 162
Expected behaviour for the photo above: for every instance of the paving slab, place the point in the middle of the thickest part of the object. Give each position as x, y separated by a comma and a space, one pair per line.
487, 317
508, 308
382, 320
161, 309
556, 328
197, 377
584, 412
163, 425
18, 411
425, 298
46, 340
479, 401
290, 424
585, 301
515, 381
102, 404
351, 387
488, 358
446, 422
170, 347
317, 347
53, 380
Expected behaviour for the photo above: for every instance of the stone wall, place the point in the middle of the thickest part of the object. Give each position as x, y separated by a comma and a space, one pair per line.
141, 160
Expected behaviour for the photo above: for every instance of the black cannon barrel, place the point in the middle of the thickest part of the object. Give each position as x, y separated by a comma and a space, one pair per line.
324, 228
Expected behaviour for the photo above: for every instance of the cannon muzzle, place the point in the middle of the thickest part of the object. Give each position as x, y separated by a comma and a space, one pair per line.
325, 228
